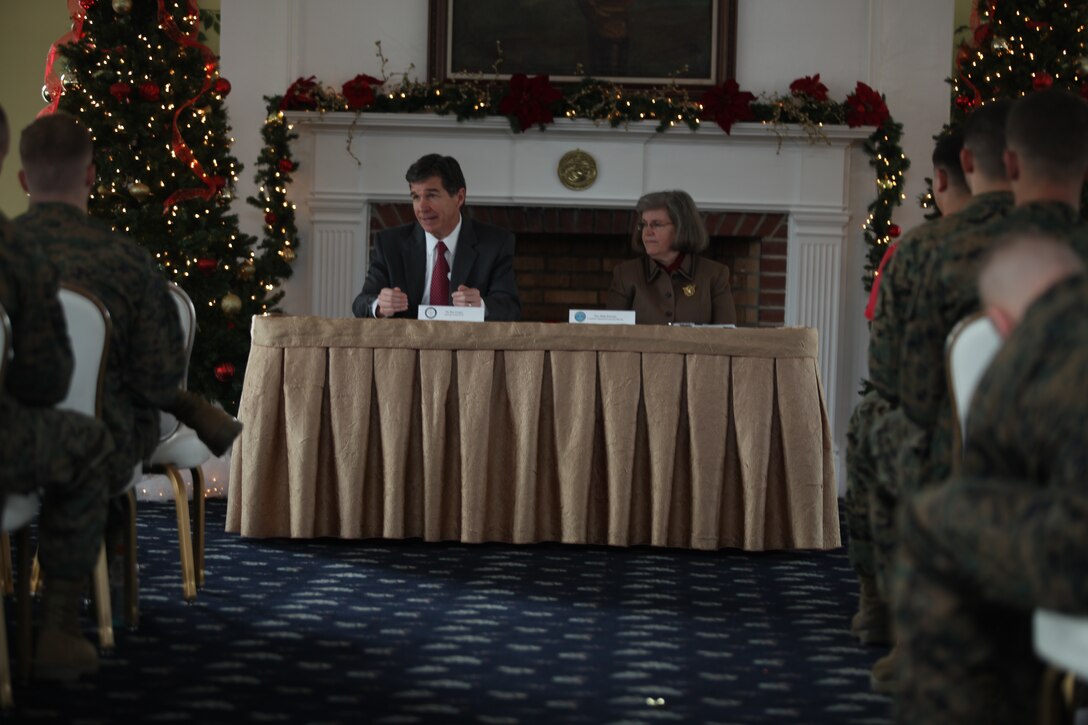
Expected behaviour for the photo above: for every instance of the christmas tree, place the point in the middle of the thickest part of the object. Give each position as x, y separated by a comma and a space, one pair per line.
137, 75
1014, 47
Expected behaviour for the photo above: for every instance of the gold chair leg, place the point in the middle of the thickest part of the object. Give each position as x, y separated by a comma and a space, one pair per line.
7, 699
101, 585
35, 577
185, 544
198, 529
22, 605
132, 581
5, 564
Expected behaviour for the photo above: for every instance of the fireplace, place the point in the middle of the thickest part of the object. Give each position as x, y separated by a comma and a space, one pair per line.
779, 203
565, 256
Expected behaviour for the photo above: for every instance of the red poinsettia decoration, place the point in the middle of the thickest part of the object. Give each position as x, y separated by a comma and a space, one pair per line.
300, 96
866, 107
359, 91
726, 104
530, 100
1042, 81
982, 34
809, 86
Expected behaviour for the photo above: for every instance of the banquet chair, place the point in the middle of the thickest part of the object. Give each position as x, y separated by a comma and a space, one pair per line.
178, 449
969, 349
88, 325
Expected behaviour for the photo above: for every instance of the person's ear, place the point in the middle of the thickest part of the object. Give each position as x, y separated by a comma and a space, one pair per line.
1003, 321
940, 180
967, 160
22, 181
460, 197
1012, 164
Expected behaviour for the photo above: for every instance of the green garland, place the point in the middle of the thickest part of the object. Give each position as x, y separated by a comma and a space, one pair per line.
593, 99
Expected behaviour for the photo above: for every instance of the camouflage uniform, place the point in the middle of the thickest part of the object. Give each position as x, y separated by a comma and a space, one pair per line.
1004, 535
932, 286
146, 356
60, 452
1053, 217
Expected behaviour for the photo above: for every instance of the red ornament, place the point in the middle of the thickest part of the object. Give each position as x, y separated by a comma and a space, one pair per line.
359, 91
121, 91
207, 265
530, 100
270, 218
726, 104
1042, 81
894, 230
222, 86
224, 372
982, 34
286, 166
87, 4
150, 92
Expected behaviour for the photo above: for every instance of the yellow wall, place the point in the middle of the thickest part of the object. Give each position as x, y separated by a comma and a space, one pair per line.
28, 30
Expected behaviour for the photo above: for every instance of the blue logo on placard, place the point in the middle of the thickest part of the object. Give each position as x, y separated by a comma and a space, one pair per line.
579, 316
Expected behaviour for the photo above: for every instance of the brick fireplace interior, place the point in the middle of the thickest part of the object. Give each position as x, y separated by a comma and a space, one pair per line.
565, 256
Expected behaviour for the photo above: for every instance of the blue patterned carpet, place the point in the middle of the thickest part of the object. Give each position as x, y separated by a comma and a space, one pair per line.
407, 632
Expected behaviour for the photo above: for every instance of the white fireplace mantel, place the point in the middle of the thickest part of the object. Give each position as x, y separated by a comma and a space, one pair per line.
753, 169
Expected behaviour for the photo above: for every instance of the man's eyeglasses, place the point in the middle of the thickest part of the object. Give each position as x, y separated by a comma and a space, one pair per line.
654, 225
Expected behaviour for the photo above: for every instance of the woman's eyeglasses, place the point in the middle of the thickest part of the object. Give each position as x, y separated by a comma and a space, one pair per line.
654, 225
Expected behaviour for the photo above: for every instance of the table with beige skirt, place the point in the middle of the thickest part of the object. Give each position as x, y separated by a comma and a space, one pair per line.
526, 432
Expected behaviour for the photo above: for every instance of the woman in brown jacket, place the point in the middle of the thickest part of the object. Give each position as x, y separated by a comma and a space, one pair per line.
670, 282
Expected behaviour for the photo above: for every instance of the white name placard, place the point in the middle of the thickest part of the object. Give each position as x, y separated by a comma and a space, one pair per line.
602, 317
449, 313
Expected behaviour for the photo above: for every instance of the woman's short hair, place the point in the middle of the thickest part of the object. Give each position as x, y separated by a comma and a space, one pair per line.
691, 236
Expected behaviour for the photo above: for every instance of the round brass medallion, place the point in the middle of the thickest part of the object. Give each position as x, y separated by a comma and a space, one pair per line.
577, 170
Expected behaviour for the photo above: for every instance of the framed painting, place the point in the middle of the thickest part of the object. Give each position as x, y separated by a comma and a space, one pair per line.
630, 42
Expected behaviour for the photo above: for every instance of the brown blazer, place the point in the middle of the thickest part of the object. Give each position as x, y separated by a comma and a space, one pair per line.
698, 292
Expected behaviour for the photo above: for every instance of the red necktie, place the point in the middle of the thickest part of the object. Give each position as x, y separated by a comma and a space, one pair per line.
440, 276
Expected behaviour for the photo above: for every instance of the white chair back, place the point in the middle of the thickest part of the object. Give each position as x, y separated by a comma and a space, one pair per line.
969, 349
168, 424
19, 509
89, 332
5, 343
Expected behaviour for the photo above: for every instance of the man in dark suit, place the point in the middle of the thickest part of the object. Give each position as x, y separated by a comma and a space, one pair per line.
442, 259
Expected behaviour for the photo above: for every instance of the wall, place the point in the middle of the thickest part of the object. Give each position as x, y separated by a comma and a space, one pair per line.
29, 29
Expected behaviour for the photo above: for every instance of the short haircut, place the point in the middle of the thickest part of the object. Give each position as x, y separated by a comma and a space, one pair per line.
5, 133
1049, 130
946, 155
691, 236
984, 136
444, 167
55, 150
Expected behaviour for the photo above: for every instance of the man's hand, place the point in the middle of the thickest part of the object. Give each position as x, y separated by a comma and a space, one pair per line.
466, 297
390, 302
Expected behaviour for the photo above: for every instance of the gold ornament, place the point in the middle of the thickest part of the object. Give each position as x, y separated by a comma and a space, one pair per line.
139, 191
577, 170
999, 44
68, 83
122, 7
689, 290
46, 95
231, 303
102, 190
247, 270
288, 255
